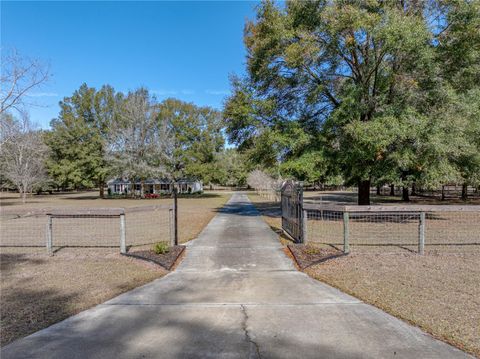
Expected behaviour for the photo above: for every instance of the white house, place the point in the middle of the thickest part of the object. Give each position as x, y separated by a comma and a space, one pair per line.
154, 186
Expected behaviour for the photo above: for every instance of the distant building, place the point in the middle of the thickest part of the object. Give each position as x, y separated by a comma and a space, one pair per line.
153, 186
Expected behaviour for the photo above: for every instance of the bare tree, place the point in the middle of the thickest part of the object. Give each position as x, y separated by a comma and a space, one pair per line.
23, 153
264, 184
172, 160
137, 139
19, 75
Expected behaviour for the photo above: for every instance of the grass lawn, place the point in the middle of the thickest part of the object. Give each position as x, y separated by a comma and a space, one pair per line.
194, 211
438, 292
37, 290
350, 198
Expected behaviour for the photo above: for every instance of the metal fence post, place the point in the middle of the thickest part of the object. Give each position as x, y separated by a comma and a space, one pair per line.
49, 235
175, 217
421, 234
304, 226
171, 230
346, 244
123, 244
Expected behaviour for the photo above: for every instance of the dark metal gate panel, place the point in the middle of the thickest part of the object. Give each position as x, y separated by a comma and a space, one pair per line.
292, 211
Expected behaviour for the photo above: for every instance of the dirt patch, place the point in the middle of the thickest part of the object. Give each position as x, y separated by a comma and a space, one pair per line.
308, 255
438, 293
166, 260
38, 290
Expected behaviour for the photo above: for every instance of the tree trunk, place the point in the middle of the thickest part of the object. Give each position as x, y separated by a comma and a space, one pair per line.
414, 189
464, 192
392, 190
101, 189
364, 193
443, 193
24, 196
405, 195
379, 190
131, 190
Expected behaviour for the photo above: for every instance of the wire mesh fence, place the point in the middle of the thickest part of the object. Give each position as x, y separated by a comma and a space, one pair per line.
413, 228
87, 227
147, 225
324, 226
23, 230
100, 230
453, 228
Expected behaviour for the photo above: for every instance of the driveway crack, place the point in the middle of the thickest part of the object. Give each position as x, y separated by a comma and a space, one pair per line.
254, 349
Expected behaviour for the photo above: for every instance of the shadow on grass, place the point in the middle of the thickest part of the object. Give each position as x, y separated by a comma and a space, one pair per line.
80, 198
25, 311
9, 260
305, 264
128, 330
197, 196
350, 198
285, 239
19, 203
60, 248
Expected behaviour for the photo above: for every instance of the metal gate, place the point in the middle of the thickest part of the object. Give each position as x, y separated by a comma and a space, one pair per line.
292, 209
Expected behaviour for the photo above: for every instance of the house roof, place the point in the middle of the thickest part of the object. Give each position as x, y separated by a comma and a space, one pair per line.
150, 181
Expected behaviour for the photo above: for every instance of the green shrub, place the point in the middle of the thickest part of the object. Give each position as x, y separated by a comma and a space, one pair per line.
161, 248
311, 250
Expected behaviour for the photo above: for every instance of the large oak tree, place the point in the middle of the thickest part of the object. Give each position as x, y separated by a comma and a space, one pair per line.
360, 82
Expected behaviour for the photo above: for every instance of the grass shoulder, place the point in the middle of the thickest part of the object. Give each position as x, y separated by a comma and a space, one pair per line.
437, 292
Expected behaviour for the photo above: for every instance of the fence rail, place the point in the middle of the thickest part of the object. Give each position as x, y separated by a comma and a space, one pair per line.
409, 227
88, 227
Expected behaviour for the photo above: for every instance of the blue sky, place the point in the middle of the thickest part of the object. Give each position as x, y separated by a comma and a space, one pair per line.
176, 49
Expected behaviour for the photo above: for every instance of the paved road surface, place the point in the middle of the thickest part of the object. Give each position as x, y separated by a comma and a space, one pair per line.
235, 295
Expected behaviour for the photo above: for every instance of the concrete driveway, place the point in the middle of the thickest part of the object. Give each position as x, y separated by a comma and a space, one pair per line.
235, 295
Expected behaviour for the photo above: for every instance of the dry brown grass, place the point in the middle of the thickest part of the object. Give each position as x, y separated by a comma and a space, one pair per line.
350, 197
438, 293
9, 200
19, 227
444, 231
37, 290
